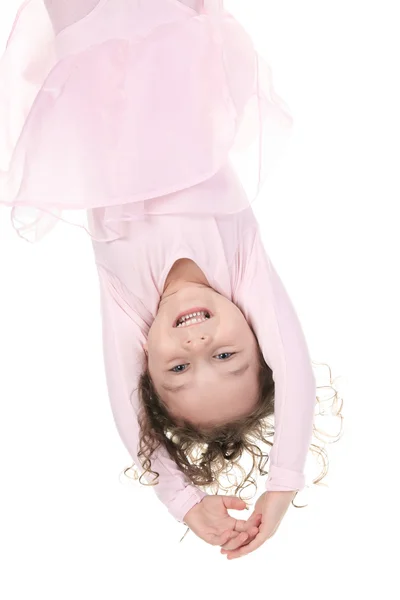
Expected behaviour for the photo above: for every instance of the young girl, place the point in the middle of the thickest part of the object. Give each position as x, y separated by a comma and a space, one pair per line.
126, 111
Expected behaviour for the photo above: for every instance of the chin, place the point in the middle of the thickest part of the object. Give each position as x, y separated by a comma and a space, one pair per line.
192, 298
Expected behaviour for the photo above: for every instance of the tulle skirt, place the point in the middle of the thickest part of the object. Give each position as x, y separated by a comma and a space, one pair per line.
131, 111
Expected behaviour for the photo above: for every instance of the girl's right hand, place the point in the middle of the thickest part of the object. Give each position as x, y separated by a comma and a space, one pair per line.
210, 521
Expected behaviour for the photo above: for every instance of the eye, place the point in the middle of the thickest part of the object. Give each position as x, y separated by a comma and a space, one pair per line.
179, 368
225, 355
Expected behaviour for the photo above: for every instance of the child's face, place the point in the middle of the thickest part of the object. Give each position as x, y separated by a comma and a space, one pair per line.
205, 372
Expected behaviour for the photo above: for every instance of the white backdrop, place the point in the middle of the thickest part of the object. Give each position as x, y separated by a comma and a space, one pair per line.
69, 526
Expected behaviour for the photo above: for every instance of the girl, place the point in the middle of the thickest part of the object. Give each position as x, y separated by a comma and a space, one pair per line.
126, 111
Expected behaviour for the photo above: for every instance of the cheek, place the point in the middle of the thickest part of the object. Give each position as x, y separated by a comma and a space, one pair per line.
236, 325
158, 342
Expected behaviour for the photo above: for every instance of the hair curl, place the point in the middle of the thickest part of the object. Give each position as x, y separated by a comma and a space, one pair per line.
205, 454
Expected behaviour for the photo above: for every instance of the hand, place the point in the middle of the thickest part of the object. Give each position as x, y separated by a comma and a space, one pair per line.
272, 506
210, 521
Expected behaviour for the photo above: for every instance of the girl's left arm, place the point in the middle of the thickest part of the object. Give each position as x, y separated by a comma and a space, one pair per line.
266, 305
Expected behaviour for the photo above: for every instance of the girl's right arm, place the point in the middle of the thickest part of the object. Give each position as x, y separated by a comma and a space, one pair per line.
123, 341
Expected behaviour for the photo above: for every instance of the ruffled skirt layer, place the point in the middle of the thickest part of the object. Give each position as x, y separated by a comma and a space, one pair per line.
126, 112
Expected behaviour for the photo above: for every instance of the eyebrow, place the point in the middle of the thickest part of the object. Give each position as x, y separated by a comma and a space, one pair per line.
185, 386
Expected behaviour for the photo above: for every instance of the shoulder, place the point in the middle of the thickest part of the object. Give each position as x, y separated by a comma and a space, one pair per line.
237, 229
245, 241
249, 237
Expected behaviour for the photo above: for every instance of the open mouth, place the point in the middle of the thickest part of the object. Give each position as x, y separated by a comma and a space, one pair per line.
192, 317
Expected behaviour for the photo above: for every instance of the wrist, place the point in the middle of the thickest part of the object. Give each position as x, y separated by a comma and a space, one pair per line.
192, 511
280, 494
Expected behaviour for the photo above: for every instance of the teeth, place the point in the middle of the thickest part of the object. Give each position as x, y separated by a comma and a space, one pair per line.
192, 318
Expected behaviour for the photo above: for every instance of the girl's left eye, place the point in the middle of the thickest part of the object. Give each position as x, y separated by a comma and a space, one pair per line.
179, 368
224, 355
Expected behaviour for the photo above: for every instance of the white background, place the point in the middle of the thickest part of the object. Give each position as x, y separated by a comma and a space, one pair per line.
69, 527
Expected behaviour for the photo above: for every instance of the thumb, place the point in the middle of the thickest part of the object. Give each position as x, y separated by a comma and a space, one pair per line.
234, 503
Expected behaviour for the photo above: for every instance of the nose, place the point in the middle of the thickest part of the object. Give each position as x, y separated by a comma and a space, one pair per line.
196, 341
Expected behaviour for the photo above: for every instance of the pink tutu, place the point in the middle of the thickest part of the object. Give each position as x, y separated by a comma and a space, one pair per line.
119, 114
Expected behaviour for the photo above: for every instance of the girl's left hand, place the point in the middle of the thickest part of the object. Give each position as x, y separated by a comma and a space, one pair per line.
273, 507
210, 521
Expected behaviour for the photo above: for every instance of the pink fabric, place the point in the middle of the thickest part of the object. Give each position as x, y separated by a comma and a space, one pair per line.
132, 272
64, 13
113, 106
124, 118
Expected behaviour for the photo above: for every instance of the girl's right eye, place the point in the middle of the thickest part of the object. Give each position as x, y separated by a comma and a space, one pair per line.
179, 368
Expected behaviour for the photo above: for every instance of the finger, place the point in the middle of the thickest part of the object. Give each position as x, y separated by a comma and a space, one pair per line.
234, 503
253, 521
223, 538
236, 542
248, 548
245, 538
219, 539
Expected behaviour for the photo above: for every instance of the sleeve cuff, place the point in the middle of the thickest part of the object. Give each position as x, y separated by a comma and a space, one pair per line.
280, 480
184, 502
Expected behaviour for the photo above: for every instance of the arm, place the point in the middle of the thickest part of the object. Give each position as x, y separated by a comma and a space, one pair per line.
266, 305
123, 355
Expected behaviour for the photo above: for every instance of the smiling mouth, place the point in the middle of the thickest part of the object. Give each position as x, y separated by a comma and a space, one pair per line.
193, 317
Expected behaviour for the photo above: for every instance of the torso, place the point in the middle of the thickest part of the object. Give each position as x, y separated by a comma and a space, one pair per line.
157, 247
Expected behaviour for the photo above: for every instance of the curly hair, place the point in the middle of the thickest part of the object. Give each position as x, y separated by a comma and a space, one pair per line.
207, 453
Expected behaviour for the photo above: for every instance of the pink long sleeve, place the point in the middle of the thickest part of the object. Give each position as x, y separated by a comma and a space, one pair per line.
122, 348
264, 301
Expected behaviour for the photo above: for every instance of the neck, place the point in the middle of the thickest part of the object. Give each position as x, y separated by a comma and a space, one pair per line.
183, 273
